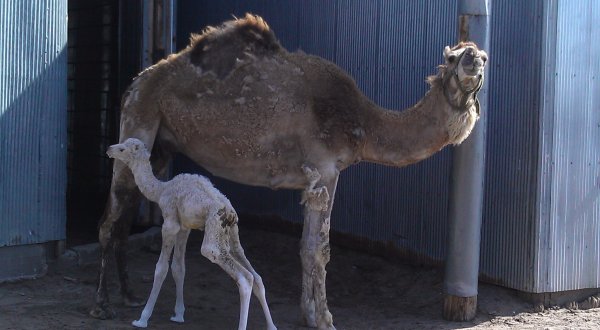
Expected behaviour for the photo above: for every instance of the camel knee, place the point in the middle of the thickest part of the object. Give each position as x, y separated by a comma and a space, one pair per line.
316, 199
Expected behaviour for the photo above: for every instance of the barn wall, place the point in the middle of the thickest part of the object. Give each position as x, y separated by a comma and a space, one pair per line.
33, 98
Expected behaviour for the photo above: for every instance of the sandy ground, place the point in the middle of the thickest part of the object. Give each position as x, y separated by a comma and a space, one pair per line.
364, 292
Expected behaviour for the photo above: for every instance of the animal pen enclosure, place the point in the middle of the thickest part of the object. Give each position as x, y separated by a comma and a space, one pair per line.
541, 230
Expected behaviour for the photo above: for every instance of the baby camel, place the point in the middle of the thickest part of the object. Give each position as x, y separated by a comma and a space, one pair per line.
191, 202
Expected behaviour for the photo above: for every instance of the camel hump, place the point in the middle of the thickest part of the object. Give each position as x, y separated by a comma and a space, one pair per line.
218, 48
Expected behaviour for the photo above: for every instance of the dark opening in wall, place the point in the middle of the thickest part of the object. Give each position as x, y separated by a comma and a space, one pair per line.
103, 56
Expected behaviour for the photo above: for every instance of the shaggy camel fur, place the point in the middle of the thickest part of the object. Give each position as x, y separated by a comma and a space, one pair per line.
241, 106
191, 202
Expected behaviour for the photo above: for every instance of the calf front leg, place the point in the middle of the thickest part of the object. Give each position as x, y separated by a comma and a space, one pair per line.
315, 250
169, 235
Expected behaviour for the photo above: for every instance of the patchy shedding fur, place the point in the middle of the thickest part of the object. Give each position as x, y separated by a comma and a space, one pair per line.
218, 49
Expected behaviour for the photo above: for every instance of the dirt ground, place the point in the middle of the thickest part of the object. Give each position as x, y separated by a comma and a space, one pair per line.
364, 292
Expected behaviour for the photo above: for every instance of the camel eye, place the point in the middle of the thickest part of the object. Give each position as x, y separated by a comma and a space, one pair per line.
122, 149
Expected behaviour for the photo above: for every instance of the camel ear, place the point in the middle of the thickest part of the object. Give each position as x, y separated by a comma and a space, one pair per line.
484, 55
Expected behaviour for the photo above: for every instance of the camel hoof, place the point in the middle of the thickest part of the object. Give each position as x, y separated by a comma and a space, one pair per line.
139, 324
178, 319
130, 300
104, 312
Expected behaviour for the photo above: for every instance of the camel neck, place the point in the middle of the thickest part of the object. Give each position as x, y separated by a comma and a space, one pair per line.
400, 138
149, 185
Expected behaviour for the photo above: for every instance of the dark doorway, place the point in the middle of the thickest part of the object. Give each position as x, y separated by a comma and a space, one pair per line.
103, 56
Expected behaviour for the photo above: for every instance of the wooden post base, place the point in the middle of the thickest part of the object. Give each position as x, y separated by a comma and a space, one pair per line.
460, 309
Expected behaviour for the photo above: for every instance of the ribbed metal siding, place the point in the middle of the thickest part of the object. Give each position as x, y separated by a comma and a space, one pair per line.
571, 255
405, 207
32, 121
508, 231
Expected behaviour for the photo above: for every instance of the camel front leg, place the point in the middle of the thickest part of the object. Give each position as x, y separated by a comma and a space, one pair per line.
169, 236
120, 208
178, 269
314, 247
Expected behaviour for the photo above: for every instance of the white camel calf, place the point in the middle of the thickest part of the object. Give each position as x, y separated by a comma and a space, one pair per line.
191, 202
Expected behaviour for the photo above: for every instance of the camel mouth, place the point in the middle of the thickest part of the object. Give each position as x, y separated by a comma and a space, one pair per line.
473, 63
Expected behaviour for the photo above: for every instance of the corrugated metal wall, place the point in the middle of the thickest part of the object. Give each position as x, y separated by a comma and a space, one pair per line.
570, 244
508, 230
33, 93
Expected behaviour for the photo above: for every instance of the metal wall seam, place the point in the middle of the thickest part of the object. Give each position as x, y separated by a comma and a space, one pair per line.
545, 163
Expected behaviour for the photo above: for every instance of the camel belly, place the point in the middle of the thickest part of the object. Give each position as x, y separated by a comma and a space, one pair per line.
253, 169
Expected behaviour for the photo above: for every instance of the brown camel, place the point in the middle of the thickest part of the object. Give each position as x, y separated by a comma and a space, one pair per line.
245, 109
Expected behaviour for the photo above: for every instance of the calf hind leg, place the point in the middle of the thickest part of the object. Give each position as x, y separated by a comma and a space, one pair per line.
178, 269
258, 287
216, 248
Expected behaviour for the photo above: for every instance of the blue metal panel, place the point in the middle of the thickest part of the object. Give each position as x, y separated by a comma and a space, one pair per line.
32, 121
405, 207
509, 200
572, 251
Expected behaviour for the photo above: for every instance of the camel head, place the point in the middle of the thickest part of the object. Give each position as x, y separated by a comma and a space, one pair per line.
130, 151
463, 73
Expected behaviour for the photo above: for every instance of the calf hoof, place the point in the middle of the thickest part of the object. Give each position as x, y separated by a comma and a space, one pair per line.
140, 324
103, 312
178, 319
132, 301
